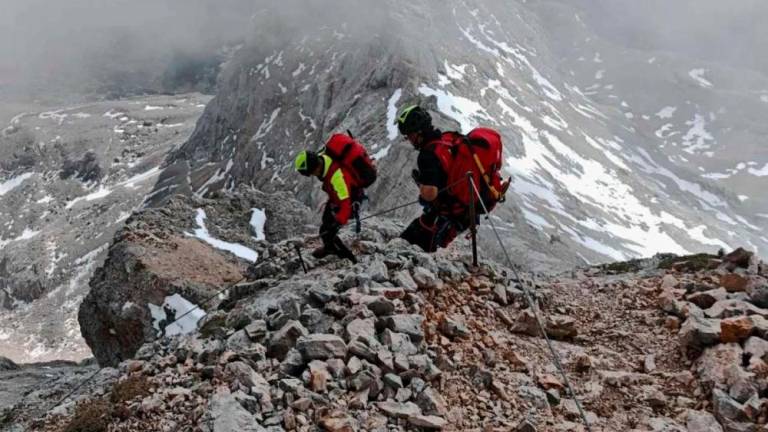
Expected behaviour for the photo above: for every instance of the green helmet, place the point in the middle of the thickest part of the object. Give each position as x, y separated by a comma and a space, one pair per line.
306, 162
413, 119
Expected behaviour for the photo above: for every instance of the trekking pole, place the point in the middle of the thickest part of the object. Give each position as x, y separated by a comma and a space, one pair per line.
472, 224
301, 259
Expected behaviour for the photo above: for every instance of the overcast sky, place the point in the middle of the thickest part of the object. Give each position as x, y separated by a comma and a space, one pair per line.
734, 32
70, 39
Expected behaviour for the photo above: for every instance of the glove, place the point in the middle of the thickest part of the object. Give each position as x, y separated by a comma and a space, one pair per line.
416, 176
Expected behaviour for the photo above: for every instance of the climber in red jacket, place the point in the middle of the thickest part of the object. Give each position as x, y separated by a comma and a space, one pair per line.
342, 192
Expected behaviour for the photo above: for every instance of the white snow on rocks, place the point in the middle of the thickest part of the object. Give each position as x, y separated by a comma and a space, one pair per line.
25, 235
13, 183
265, 126
392, 131
152, 108
258, 220
463, 110
100, 193
698, 76
762, 172
234, 248
666, 112
697, 136
138, 178
187, 313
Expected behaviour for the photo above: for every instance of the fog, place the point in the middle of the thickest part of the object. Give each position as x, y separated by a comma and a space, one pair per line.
728, 32
83, 43
124, 46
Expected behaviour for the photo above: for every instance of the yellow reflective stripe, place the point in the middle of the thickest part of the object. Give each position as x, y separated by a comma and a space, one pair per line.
339, 185
327, 163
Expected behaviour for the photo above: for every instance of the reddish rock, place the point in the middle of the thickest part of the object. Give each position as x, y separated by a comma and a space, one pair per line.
733, 282
547, 381
735, 329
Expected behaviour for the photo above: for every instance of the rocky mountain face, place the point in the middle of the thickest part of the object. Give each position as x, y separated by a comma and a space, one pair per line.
403, 340
615, 152
69, 178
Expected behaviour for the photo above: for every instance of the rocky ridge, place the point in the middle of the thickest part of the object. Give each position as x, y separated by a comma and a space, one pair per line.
410, 341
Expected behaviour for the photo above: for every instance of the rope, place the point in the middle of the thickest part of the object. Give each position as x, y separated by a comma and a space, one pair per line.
534, 308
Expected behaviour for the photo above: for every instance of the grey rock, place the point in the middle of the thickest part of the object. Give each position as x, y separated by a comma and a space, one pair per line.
257, 330
500, 294
758, 294
361, 327
378, 271
427, 422
322, 294
725, 408
398, 343
293, 363
238, 342
431, 402
285, 339
409, 324
417, 385
697, 333
404, 280
228, 415
321, 347
245, 375
742, 389
399, 410
702, 421
379, 305
734, 308
393, 380
425, 279
756, 347
534, 396
453, 328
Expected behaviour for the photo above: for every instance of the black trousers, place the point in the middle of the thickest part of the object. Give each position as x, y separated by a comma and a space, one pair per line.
329, 229
433, 229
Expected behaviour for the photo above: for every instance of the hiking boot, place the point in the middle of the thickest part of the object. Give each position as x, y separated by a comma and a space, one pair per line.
322, 252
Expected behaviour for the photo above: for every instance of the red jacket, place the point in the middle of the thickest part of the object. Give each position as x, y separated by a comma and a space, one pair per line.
340, 187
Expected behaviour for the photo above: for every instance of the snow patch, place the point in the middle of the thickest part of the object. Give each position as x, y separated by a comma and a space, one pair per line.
762, 172
666, 112
100, 193
697, 136
698, 76
25, 235
392, 131
458, 108
184, 319
234, 248
258, 220
13, 183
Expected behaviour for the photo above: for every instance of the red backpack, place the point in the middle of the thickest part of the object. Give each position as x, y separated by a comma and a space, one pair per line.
479, 152
351, 155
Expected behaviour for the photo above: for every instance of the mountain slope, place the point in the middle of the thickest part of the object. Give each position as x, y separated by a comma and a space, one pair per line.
585, 167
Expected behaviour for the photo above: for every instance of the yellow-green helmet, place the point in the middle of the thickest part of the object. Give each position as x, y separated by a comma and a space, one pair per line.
306, 162
413, 119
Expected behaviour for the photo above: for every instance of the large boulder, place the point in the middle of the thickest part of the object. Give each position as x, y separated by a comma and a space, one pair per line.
160, 254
